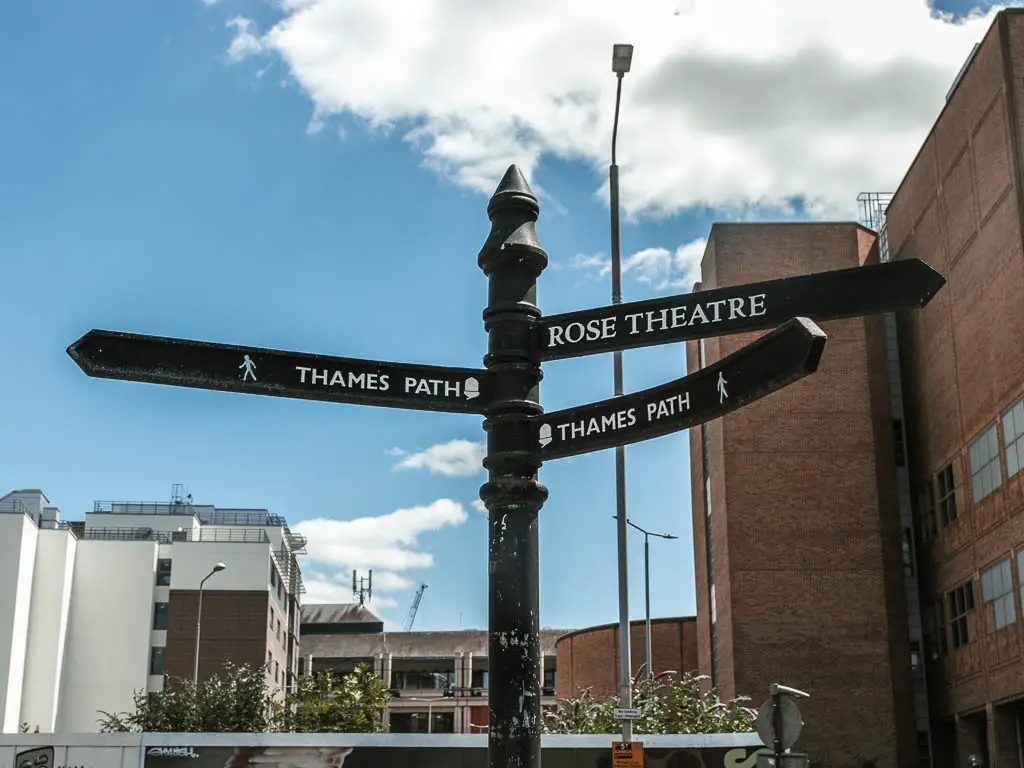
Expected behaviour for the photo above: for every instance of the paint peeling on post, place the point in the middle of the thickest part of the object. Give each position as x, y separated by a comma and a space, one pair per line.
512, 259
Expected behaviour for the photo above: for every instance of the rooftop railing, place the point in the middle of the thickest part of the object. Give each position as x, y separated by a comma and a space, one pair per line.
170, 537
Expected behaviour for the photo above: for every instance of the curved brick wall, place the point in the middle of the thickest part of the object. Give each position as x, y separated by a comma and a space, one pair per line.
589, 658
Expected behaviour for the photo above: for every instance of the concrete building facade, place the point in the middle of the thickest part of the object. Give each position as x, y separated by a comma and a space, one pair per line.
92, 611
589, 658
439, 680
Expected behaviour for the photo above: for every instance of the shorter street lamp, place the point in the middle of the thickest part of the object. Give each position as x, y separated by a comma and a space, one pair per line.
647, 585
199, 622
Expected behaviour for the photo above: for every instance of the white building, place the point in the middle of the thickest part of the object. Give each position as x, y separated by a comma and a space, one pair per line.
92, 611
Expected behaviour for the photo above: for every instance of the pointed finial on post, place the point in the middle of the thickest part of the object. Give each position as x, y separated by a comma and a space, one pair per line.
513, 211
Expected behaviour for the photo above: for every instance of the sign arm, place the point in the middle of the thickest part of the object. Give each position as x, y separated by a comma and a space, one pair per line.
767, 364
258, 371
831, 295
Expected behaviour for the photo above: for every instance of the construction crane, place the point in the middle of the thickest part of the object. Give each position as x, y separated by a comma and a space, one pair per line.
415, 607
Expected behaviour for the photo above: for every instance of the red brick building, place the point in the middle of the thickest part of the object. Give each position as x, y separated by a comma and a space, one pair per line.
589, 658
858, 534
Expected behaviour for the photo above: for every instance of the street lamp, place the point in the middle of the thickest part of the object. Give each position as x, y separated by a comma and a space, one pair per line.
622, 56
647, 585
199, 621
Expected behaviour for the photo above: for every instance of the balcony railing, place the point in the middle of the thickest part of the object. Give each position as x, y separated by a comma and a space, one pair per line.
17, 507
169, 537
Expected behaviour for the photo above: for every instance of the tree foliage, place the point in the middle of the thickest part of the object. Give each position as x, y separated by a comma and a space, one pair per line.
668, 703
326, 703
239, 700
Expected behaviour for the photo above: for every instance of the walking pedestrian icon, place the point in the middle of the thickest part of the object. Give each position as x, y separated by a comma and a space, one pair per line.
722, 394
249, 367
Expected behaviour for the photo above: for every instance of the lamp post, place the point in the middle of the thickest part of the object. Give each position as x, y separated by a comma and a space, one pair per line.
199, 622
647, 585
622, 56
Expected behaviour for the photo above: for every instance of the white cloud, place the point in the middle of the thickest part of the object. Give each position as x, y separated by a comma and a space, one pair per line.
245, 43
324, 589
659, 268
457, 458
387, 542
479, 506
396, 451
728, 103
210, 2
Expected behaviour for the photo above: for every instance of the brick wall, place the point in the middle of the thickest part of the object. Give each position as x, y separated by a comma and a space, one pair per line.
589, 658
959, 209
802, 516
235, 628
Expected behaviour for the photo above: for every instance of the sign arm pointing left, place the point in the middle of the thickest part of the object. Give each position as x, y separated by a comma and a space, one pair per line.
253, 370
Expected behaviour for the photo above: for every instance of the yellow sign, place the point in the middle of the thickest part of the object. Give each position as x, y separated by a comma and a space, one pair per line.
627, 754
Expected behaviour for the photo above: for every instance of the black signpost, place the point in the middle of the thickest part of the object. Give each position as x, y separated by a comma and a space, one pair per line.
520, 436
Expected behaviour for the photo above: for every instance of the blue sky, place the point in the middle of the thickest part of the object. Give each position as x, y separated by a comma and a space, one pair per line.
228, 171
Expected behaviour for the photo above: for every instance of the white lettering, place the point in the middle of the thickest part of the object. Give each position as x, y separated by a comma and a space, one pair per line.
678, 319
338, 378
302, 373
716, 305
574, 329
555, 336
669, 406
698, 312
321, 376
634, 320
384, 386
757, 305
735, 308
651, 321
597, 425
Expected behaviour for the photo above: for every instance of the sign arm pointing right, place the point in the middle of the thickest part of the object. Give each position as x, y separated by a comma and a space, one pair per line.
767, 364
832, 295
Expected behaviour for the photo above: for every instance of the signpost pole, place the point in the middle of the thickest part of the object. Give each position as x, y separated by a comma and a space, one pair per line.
777, 747
512, 259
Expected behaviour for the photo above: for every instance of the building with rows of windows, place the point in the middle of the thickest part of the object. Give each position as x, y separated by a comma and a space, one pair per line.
92, 611
860, 534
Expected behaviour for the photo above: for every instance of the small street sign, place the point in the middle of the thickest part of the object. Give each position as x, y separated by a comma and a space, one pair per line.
626, 714
886, 287
627, 754
252, 370
790, 717
765, 365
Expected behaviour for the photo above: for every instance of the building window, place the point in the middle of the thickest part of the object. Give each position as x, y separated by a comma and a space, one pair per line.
926, 516
271, 617
935, 630
899, 446
163, 572
278, 629
157, 661
549, 682
997, 588
270, 659
1020, 574
959, 603
273, 575
160, 616
986, 474
480, 676
1013, 438
947, 495
277, 671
